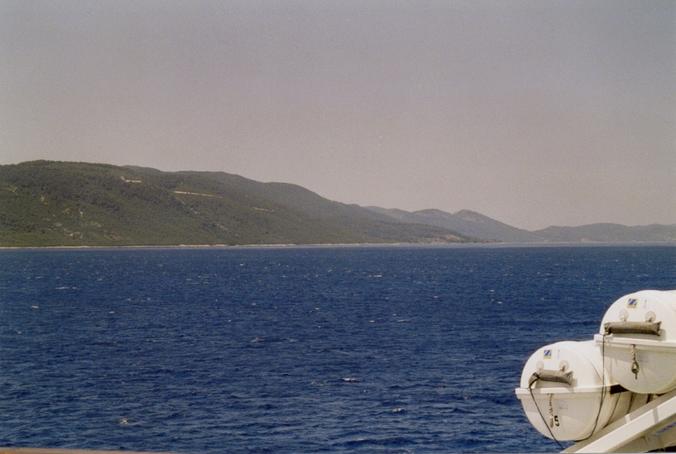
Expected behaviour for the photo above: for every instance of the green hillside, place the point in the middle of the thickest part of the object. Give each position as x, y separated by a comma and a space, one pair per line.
46, 203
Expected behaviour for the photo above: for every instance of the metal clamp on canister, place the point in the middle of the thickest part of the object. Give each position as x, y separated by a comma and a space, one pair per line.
557, 376
651, 328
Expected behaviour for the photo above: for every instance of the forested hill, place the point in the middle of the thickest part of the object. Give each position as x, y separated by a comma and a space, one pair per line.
47, 203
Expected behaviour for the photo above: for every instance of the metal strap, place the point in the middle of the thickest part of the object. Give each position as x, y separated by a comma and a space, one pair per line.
556, 376
651, 328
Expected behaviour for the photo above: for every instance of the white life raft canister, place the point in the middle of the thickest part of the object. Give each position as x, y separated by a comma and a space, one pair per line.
638, 338
563, 394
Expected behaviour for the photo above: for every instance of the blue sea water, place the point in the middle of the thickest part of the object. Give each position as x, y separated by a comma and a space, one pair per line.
352, 349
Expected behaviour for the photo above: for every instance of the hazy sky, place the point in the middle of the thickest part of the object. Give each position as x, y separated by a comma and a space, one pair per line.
533, 112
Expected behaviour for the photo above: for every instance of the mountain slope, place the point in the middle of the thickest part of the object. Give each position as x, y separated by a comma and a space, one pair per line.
475, 225
65, 203
465, 222
605, 232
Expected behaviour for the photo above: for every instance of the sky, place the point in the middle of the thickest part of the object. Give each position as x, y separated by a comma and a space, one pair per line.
536, 112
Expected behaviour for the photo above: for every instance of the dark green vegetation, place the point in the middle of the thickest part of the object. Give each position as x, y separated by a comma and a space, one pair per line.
46, 203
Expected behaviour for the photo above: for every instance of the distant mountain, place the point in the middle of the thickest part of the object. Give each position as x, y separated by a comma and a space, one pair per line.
604, 233
465, 222
475, 225
64, 203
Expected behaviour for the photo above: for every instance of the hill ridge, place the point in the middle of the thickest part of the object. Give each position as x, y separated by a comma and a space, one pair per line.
476, 225
45, 203
80, 203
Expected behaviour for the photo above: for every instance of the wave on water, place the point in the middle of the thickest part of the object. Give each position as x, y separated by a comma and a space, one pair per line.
292, 350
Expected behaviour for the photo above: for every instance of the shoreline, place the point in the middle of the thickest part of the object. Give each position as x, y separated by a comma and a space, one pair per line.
341, 245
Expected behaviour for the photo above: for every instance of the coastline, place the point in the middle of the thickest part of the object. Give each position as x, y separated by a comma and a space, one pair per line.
343, 245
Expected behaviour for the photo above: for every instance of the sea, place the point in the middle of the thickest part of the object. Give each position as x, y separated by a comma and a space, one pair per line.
295, 349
